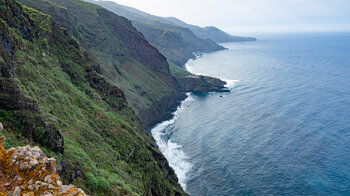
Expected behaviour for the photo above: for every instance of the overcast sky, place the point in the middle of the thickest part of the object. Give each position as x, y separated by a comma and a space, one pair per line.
242, 16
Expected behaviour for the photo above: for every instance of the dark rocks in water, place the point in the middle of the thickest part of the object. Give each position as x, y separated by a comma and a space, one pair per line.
201, 84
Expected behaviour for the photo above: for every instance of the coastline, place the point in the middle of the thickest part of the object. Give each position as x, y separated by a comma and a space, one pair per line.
172, 151
226, 151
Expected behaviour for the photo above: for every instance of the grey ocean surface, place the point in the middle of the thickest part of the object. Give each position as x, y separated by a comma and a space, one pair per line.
284, 129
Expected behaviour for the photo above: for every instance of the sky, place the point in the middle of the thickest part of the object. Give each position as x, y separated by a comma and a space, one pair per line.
251, 16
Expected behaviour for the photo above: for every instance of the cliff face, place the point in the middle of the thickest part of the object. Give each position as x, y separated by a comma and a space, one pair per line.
127, 60
169, 43
173, 39
55, 95
176, 42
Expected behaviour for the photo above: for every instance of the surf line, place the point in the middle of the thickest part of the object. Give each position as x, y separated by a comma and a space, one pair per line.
171, 150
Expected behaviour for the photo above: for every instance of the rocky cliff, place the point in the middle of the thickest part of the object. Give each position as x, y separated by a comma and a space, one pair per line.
201, 84
127, 59
176, 42
54, 94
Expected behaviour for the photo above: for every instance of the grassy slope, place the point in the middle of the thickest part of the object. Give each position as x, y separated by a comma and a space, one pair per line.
126, 57
106, 150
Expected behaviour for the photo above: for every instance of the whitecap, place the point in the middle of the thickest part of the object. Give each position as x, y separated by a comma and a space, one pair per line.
230, 84
188, 67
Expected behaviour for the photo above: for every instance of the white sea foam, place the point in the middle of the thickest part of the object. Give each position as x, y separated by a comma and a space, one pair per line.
188, 67
171, 150
230, 84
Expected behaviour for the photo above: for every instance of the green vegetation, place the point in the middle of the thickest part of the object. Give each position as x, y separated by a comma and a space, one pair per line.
127, 60
53, 94
178, 72
91, 181
103, 185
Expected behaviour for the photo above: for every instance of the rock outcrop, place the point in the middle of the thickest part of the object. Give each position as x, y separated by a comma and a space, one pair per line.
27, 171
201, 84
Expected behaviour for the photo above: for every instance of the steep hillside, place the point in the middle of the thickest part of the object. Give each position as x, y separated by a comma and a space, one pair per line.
170, 42
212, 33
176, 42
126, 58
53, 94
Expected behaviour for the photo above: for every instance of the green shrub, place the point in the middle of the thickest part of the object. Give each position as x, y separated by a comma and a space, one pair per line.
103, 173
39, 132
114, 179
91, 181
5, 115
127, 188
103, 184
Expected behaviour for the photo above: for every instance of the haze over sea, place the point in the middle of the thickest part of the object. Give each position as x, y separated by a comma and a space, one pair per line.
284, 129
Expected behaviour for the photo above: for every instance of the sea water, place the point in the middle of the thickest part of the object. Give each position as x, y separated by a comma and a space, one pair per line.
284, 129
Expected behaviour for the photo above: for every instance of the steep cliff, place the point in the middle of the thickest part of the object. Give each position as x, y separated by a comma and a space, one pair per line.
127, 60
176, 42
55, 95
169, 43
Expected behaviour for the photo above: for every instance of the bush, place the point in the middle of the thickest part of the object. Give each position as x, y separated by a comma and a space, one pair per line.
39, 132
127, 188
114, 179
91, 181
102, 172
5, 115
103, 184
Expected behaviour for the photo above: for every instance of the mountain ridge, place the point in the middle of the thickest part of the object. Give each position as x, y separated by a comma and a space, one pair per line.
210, 32
174, 38
176, 42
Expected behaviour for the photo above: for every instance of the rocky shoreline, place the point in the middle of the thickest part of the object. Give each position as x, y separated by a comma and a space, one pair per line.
194, 84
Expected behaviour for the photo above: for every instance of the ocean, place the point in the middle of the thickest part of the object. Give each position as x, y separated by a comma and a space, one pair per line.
284, 129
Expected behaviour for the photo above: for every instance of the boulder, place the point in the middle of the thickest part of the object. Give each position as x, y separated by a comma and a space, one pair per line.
26, 170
